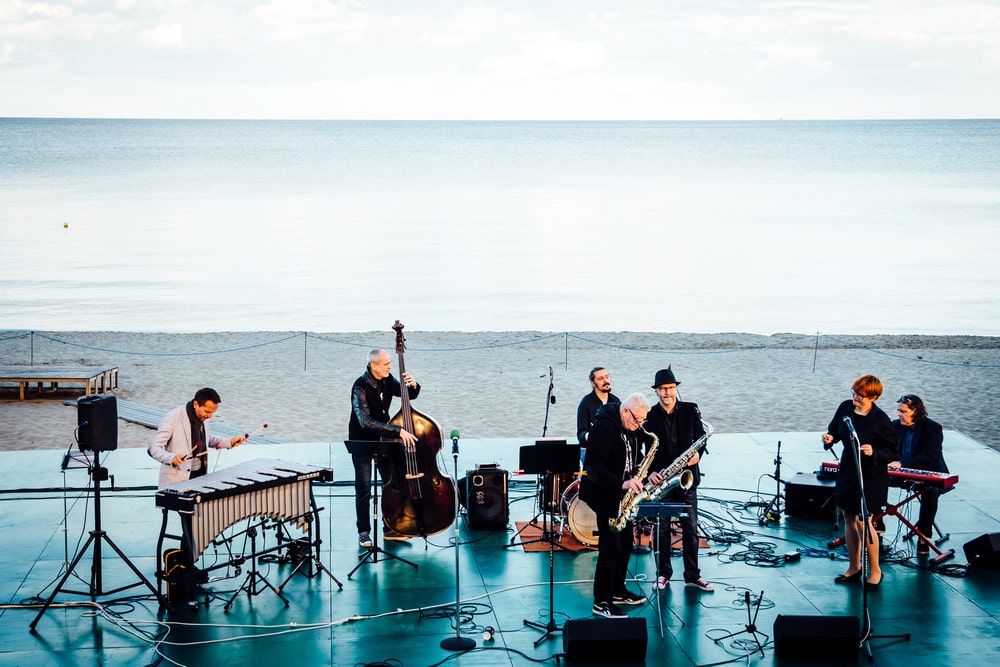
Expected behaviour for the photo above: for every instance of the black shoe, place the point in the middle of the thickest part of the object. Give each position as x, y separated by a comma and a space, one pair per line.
847, 578
608, 610
873, 585
628, 597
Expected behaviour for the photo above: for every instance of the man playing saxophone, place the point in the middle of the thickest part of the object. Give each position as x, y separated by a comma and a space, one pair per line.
678, 426
611, 466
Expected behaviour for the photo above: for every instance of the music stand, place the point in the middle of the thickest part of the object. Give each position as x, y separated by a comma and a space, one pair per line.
375, 449
546, 496
544, 459
659, 510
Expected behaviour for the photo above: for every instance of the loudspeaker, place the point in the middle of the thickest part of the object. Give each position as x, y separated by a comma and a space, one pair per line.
808, 497
486, 500
97, 422
817, 636
610, 639
983, 553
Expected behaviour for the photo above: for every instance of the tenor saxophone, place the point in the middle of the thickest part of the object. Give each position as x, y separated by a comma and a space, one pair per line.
631, 498
673, 476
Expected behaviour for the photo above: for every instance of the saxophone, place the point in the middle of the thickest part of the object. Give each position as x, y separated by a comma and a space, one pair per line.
632, 498
674, 475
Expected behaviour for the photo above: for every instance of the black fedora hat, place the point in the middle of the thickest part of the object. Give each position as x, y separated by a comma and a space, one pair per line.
664, 376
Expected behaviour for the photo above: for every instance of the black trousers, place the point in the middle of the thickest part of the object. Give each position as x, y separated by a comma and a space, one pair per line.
689, 537
613, 553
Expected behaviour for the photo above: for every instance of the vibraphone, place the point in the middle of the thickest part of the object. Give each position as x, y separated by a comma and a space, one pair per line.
266, 488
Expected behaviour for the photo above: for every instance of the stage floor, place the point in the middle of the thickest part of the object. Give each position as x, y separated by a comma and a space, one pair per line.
389, 612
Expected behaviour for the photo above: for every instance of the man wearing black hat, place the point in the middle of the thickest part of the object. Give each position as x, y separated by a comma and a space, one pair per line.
678, 425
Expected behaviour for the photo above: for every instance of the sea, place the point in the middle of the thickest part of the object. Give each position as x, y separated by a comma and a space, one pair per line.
851, 227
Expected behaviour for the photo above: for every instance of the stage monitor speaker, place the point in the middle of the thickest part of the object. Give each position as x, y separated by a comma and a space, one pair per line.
983, 553
486, 498
817, 636
97, 422
618, 640
808, 497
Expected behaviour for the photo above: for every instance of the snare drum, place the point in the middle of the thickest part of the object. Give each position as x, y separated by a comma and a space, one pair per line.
581, 519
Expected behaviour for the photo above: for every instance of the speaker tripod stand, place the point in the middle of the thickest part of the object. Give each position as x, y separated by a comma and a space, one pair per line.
98, 537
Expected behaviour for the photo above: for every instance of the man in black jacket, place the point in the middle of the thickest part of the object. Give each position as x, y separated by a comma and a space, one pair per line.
677, 425
612, 459
371, 397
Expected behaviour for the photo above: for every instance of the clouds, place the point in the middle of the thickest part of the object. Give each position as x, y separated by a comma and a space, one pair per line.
511, 59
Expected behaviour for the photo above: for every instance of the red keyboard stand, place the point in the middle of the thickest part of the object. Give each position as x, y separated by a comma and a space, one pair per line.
893, 510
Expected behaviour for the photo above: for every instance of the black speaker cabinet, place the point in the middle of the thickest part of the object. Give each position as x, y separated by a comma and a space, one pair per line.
97, 422
619, 640
808, 497
983, 553
817, 636
486, 498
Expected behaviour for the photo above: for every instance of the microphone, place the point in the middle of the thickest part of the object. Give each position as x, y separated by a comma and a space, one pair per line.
552, 396
454, 440
850, 427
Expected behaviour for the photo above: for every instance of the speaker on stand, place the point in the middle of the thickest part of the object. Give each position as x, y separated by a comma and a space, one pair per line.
97, 423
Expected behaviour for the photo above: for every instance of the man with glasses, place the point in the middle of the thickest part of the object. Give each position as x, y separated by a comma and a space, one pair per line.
613, 456
678, 425
920, 441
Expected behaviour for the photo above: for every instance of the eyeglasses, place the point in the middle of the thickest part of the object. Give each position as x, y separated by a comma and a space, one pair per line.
906, 399
859, 395
631, 414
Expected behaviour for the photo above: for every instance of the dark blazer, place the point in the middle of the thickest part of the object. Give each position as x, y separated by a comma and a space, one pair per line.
873, 429
925, 445
687, 418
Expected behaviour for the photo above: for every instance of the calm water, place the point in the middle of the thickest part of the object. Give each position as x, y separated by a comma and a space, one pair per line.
836, 227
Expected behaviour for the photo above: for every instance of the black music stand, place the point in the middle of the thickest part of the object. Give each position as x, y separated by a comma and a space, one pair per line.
546, 495
97, 537
375, 449
306, 551
548, 460
660, 510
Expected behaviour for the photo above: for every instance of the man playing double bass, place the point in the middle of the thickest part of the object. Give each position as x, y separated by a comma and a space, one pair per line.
371, 397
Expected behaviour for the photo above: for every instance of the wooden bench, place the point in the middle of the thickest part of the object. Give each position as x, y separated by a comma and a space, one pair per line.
94, 378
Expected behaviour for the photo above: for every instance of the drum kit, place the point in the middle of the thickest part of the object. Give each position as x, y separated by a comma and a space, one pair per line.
562, 499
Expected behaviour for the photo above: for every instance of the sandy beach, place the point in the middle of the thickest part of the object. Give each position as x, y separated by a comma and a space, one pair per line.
496, 384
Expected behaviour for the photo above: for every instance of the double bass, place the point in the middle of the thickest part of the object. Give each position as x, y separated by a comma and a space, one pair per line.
417, 498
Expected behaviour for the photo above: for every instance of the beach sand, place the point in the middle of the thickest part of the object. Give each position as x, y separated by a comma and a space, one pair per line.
496, 384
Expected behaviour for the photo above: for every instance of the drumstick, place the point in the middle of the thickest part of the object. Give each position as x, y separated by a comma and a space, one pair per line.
246, 436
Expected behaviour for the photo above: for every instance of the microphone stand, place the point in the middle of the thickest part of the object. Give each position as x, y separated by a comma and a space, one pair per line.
458, 642
549, 400
866, 537
772, 512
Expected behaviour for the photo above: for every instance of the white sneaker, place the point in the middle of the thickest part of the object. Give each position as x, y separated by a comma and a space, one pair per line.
661, 584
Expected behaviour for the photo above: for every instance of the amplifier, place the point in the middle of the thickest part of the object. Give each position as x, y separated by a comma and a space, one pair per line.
808, 497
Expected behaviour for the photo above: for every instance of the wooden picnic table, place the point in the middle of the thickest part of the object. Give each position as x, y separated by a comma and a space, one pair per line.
96, 379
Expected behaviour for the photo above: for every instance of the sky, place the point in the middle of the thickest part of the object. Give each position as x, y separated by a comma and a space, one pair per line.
500, 60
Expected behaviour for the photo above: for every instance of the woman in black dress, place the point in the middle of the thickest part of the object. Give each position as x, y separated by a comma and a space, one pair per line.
877, 441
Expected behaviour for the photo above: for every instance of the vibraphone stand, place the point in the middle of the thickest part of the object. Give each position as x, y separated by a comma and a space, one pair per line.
250, 583
97, 537
374, 450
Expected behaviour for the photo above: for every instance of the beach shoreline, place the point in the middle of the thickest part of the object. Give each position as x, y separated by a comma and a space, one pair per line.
496, 384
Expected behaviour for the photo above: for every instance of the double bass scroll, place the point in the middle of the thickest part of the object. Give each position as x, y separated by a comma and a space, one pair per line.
417, 498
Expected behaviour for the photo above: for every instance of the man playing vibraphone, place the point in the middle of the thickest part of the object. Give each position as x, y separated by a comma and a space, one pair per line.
181, 442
